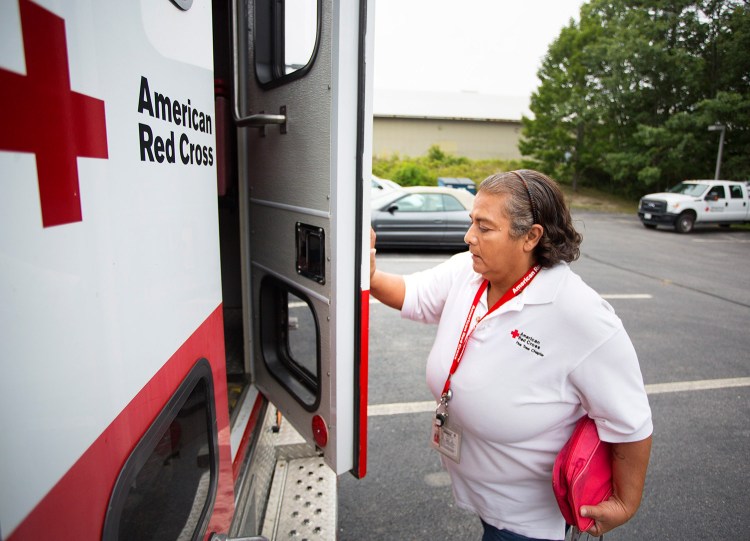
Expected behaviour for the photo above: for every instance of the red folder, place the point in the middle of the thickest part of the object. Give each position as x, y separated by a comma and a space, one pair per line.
582, 474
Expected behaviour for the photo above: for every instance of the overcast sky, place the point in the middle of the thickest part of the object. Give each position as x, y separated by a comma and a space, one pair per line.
487, 46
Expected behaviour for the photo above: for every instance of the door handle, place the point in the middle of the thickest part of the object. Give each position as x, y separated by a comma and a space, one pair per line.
259, 120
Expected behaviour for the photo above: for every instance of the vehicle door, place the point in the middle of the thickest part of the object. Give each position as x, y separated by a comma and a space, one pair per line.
717, 204
416, 218
304, 140
736, 209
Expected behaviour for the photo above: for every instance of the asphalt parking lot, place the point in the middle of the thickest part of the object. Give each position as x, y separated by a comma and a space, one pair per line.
685, 301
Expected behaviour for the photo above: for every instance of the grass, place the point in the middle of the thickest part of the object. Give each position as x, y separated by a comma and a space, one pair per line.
591, 199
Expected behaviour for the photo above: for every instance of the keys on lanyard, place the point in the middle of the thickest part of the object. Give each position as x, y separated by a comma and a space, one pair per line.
441, 412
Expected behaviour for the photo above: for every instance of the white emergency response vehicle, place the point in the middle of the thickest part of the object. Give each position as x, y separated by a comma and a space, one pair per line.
184, 253
691, 202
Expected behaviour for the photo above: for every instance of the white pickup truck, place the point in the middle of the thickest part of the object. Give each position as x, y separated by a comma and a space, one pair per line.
721, 202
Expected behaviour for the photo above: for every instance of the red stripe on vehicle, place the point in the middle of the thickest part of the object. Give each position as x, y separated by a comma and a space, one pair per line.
74, 509
364, 345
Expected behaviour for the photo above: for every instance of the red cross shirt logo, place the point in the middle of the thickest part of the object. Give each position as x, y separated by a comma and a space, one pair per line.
42, 115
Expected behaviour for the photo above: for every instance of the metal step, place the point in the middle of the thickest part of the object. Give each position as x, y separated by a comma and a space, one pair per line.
303, 495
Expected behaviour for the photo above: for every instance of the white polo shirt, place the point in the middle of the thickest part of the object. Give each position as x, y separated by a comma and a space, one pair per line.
531, 369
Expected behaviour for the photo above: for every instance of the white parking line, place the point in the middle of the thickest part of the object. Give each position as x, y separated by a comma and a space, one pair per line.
700, 385
655, 388
400, 407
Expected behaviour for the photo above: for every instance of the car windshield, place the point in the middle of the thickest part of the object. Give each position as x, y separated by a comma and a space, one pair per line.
383, 199
688, 188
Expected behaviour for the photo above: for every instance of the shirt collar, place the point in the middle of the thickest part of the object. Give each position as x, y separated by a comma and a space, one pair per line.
545, 286
542, 290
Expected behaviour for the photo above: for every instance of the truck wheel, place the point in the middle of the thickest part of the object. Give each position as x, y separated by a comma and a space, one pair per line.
684, 223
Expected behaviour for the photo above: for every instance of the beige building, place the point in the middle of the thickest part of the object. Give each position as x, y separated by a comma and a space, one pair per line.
477, 126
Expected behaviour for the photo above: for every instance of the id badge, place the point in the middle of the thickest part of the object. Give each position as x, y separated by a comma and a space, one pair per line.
447, 440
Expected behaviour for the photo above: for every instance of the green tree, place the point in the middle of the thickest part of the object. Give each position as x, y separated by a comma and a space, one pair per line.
550, 137
627, 94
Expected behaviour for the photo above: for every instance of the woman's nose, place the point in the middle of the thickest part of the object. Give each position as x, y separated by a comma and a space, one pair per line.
469, 237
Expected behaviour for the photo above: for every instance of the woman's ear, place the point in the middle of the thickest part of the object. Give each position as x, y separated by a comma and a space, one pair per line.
533, 237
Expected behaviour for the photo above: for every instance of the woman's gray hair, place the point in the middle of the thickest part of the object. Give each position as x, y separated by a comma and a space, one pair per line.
536, 198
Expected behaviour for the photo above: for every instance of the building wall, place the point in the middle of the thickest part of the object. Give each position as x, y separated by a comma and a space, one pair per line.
475, 139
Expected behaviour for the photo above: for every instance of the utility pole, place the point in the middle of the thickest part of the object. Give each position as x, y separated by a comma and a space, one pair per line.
720, 128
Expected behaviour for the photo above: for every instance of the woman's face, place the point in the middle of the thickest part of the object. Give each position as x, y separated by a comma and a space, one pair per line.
495, 255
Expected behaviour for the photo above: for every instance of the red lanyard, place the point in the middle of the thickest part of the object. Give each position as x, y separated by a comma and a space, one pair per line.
466, 334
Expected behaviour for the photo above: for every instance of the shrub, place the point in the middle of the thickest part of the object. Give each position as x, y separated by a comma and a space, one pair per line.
425, 170
411, 174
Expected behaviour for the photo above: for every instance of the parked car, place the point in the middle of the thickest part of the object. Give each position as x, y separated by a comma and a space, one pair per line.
422, 217
458, 182
379, 186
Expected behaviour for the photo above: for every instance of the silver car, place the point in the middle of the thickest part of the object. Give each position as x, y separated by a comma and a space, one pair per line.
422, 217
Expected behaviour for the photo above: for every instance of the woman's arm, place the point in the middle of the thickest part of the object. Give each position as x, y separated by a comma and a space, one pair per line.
389, 289
629, 465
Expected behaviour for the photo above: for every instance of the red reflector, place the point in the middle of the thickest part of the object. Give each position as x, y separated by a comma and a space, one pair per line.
320, 431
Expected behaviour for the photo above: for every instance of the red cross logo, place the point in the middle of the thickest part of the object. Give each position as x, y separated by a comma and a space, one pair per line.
42, 115
514, 333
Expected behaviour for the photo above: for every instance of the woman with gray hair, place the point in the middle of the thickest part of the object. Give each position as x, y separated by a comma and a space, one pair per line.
524, 348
